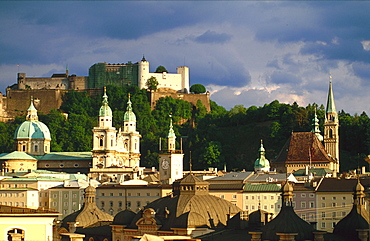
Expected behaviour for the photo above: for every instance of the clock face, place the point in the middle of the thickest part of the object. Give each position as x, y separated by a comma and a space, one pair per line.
165, 164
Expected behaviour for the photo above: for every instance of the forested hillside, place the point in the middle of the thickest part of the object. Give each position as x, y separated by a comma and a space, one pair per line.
214, 139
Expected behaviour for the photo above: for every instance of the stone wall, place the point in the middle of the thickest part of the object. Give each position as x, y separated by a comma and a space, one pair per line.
18, 101
192, 98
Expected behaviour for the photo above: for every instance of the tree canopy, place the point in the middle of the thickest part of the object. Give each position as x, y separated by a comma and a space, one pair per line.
161, 69
197, 89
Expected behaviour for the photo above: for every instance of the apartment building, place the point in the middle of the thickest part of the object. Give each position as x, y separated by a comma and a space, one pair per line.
133, 194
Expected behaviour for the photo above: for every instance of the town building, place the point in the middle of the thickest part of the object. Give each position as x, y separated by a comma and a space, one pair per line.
133, 194
17, 223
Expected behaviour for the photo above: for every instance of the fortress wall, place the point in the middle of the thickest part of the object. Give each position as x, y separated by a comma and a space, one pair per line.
45, 83
18, 101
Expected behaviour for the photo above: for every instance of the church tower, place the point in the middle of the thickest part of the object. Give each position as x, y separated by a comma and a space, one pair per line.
104, 136
170, 160
331, 128
128, 139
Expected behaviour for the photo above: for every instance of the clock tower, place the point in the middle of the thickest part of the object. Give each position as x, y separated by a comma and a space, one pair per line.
170, 160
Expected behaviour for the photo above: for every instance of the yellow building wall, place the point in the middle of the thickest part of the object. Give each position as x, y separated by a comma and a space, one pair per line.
35, 228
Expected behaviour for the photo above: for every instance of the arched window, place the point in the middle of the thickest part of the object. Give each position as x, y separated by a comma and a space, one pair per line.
36, 148
330, 133
16, 234
101, 141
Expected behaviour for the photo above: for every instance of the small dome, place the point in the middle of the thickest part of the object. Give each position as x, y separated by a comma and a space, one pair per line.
124, 217
105, 110
32, 130
129, 114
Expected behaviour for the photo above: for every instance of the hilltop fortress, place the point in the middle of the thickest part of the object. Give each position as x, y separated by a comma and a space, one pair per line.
48, 91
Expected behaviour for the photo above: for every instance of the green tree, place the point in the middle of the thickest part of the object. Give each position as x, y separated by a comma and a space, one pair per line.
161, 69
211, 156
152, 83
197, 89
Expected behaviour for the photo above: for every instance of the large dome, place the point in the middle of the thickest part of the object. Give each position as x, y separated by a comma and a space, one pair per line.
191, 205
32, 130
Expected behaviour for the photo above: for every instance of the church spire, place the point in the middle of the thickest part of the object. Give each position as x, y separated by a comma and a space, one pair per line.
171, 137
315, 127
330, 105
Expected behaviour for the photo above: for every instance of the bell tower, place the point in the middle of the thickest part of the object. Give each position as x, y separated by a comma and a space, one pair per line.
170, 160
331, 129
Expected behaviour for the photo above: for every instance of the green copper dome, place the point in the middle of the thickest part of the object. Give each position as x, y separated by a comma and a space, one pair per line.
262, 161
105, 110
129, 114
32, 130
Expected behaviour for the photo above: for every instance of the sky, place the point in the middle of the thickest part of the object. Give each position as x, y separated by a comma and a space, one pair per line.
246, 53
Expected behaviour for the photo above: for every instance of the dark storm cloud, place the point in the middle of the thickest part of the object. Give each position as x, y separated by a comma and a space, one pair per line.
213, 37
341, 49
362, 71
280, 77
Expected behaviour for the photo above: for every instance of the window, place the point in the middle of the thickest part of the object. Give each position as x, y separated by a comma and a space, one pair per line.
246, 207
322, 205
344, 198
343, 214
246, 197
252, 207
65, 204
120, 194
334, 215
312, 195
138, 194
138, 204
36, 148
303, 194
102, 204
54, 204
148, 194
272, 197
272, 206
102, 194
128, 204
303, 216
234, 196
264, 197
111, 194
322, 198
312, 204
222, 196
323, 214
333, 204
303, 204
343, 204
323, 225
66, 195
333, 224
110, 203
120, 204
334, 198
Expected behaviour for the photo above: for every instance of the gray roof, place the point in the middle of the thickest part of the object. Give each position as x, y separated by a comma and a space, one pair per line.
268, 177
232, 176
